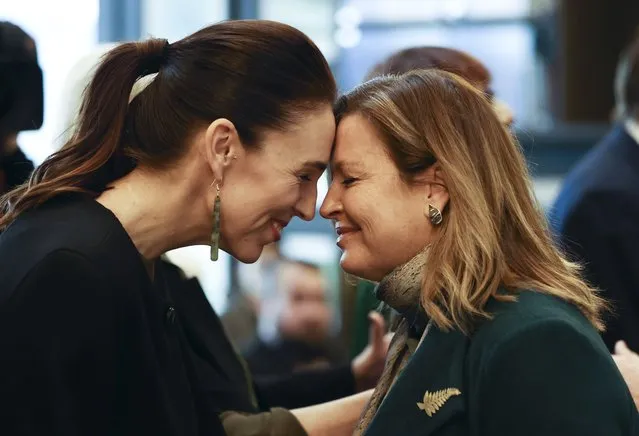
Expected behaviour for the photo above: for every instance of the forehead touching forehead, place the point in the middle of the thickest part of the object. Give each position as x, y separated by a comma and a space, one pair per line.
357, 144
308, 139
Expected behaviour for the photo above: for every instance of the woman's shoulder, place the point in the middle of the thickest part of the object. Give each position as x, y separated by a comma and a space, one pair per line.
539, 355
70, 232
73, 221
529, 309
534, 315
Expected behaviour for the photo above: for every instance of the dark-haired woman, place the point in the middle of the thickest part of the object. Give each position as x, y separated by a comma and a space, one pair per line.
224, 147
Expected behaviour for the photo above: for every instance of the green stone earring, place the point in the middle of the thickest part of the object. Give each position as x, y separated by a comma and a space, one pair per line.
215, 233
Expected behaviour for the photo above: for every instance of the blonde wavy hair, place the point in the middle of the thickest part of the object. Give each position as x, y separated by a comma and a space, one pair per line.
494, 236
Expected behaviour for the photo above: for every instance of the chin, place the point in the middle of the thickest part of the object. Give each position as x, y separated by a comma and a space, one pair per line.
357, 267
247, 254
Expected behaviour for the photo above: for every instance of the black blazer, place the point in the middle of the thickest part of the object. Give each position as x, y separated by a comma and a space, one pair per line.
596, 219
537, 368
90, 346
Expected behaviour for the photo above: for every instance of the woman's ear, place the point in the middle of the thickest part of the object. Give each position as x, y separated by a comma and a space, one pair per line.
221, 146
433, 181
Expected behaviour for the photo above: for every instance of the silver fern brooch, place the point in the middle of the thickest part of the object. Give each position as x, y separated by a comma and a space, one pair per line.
433, 401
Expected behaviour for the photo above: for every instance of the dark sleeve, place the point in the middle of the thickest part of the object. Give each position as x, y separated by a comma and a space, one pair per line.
57, 343
602, 232
276, 422
551, 379
307, 388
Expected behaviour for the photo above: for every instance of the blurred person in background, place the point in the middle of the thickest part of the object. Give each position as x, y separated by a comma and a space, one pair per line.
445, 59
95, 332
259, 292
596, 214
417, 58
21, 102
302, 322
431, 198
227, 375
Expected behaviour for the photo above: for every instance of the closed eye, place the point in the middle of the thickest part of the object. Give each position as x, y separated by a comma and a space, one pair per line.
349, 181
305, 178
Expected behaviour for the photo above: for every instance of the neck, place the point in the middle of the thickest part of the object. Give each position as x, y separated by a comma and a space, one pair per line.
160, 211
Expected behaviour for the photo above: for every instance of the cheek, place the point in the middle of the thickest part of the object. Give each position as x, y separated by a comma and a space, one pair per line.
375, 213
364, 213
283, 198
369, 211
360, 204
393, 231
265, 202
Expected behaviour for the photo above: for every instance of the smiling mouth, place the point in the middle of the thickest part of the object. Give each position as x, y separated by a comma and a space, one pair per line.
344, 230
343, 233
276, 228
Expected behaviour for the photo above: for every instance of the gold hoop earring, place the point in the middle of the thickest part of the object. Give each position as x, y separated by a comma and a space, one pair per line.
434, 215
215, 233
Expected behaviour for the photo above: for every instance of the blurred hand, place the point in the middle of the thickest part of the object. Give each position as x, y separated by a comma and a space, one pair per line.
628, 363
369, 364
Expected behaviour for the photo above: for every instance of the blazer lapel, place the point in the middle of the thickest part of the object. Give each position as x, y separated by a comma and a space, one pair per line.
429, 392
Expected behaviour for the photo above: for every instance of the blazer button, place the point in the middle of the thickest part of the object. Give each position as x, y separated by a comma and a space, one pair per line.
170, 315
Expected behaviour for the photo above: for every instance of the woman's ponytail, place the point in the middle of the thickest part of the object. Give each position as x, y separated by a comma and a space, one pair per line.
92, 158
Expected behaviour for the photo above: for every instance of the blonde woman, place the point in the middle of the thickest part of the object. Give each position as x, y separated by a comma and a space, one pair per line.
431, 198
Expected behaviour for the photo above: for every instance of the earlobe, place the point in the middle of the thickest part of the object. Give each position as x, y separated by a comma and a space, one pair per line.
438, 198
434, 214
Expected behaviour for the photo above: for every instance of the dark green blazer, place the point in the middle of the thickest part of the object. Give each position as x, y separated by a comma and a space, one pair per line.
537, 368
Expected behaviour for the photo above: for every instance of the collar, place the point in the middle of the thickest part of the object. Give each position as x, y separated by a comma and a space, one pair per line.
402, 288
632, 128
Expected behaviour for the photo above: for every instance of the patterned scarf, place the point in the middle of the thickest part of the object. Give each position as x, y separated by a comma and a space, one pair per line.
401, 290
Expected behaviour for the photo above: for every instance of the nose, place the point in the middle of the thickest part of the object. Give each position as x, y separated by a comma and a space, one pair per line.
331, 204
305, 207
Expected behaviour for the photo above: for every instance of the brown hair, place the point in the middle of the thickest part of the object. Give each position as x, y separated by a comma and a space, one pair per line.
441, 58
494, 236
258, 74
627, 81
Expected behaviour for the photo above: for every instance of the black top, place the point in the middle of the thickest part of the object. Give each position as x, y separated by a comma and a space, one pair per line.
90, 346
596, 217
94, 347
